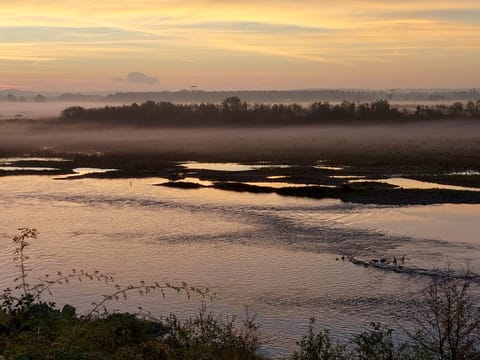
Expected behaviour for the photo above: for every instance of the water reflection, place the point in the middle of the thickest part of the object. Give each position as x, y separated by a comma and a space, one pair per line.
10, 160
274, 177
27, 168
85, 171
194, 165
272, 254
15, 163
279, 185
466, 172
320, 164
324, 167
348, 177
416, 184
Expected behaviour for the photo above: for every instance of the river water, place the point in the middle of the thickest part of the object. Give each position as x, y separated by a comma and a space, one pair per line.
276, 257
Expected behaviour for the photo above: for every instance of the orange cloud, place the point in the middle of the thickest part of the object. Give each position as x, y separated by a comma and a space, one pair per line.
235, 39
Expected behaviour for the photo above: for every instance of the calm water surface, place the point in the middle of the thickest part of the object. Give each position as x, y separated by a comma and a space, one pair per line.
260, 253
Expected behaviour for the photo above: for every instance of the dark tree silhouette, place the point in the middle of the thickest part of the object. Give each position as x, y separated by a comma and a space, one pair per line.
234, 112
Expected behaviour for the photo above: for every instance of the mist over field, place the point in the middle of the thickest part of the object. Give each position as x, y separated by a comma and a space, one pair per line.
243, 143
33, 110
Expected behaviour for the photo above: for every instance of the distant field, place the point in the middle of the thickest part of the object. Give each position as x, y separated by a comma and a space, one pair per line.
451, 143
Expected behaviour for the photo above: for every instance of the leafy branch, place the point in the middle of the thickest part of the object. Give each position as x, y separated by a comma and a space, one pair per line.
19, 255
47, 282
30, 294
143, 289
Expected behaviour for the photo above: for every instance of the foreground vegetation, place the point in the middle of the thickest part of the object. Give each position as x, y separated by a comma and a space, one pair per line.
446, 325
36, 330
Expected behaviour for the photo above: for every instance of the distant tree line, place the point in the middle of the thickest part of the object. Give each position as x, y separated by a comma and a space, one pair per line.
232, 111
14, 98
297, 96
252, 96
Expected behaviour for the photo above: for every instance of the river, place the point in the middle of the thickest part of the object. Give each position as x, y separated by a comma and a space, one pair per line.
275, 257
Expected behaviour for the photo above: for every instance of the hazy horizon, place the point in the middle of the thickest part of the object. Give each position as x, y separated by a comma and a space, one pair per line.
6, 90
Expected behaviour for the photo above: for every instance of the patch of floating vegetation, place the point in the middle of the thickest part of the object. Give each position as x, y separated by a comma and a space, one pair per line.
399, 267
363, 185
410, 184
365, 192
181, 185
195, 165
194, 180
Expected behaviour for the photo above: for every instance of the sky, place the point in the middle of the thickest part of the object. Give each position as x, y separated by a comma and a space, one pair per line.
152, 45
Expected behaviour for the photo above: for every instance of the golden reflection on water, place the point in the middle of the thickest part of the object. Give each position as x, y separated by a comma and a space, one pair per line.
210, 238
195, 165
416, 184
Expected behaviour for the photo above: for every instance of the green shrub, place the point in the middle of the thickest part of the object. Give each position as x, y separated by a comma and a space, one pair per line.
319, 346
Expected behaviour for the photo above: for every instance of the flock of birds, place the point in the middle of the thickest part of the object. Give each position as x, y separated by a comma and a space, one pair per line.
382, 261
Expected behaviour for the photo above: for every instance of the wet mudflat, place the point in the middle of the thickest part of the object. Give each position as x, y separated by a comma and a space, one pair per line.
313, 180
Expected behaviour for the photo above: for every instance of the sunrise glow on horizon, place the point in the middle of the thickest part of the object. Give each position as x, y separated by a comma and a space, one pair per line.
151, 45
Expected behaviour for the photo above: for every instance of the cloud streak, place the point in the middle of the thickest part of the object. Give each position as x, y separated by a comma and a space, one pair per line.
274, 42
137, 78
141, 78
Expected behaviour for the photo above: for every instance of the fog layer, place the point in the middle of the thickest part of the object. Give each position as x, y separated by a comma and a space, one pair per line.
295, 143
